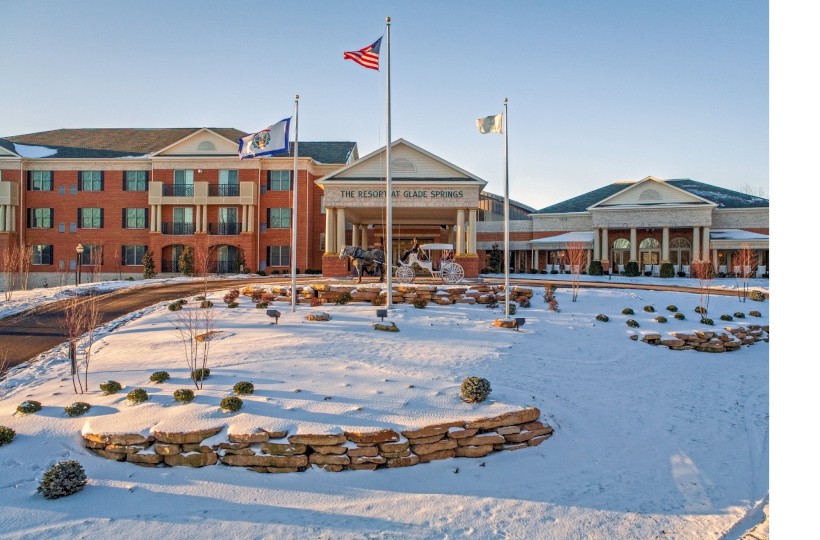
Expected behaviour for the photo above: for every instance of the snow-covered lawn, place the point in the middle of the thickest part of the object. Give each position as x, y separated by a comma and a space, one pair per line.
648, 442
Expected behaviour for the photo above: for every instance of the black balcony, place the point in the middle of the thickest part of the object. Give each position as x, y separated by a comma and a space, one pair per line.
223, 190
178, 190
177, 228
224, 267
224, 228
170, 266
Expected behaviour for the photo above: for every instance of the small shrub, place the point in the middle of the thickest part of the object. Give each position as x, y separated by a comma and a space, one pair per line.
667, 270
183, 395
660, 319
206, 304
243, 388
631, 269
420, 303
628, 311
726, 317
704, 320
512, 309
475, 389
596, 268
78, 408
199, 298
648, 273
492, 304
110, 387
524, 302
533, 270
757, 296
553, 271
344, 298
680, 316
754, 313
6, 435
137, 395
202, 374
182, 301
261, 273
274, 272
701, 310
64, 478
681, 274
673, 309
159, 376
231, 403
29, 406
740, 315
233, 305
649, 309
380, 300
632, 323
174, 306
601, 317
262, 305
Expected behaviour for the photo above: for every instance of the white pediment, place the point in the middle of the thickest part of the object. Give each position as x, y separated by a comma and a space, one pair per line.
650, 192
203, 142
407, 162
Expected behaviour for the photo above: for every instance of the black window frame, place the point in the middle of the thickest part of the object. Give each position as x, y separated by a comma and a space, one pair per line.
81, 218
40, 256
137, 215
279, 255
135, 251
279, 210
90, 184
36, 184
33, 218
127, 181
278, 180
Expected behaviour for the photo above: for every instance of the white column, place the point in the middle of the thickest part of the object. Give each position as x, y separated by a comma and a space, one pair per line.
11, 214
204, 217
536, 254
715, 261
243, 217
251, 218
159, 218
365, 243
705, 243
665, 245
340, 228
633, 245
596, 244
197, 219
459, 232
330, 230
473, 237
605, 244
3, 218
354, 235
695, 244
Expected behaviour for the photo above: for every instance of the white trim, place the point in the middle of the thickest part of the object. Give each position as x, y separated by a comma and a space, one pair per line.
650, 179
197, 132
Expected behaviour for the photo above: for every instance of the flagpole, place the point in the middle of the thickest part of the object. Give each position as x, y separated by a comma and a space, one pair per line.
389, 225
294, 217
506, 217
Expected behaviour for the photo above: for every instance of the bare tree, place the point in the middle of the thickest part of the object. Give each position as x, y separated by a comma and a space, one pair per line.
8, 261
203, 258
705, 273
576, 256
745, 266
757, 191
194, 327
82, 316
24, 260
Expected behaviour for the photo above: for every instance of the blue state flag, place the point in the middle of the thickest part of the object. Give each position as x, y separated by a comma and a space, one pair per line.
271, 140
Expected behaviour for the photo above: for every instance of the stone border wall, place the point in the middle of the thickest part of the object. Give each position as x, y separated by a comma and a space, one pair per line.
324, 293
276, 452
708, 341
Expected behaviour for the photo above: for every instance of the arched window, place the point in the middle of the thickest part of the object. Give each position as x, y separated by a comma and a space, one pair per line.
680, 253
402, 165
206, 146
650, 243
620, 254
680, 242
620, 243
649, 195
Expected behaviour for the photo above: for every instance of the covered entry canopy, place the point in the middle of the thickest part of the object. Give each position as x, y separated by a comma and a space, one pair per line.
561, 241
737, 239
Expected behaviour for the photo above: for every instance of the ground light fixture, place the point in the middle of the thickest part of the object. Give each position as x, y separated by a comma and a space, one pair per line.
274, 314
381, 313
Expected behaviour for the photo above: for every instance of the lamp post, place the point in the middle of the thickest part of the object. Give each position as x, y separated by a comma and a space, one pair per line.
80, 250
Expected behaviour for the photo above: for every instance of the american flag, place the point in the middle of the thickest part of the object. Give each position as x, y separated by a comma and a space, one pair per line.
367, 57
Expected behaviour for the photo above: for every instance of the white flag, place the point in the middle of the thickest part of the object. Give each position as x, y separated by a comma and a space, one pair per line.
490, 124
266, 142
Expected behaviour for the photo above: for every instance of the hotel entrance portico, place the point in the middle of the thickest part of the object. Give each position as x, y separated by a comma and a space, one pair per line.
432, 200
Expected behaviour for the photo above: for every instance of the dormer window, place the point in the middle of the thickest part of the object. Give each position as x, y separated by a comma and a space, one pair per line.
206, 146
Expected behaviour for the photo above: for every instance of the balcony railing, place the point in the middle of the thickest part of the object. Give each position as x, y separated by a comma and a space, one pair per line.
178, 190
177, 228
224, 228
223, 267
223, 190
170, 266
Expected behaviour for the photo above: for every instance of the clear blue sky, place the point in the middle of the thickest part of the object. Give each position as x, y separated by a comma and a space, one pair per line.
599, 91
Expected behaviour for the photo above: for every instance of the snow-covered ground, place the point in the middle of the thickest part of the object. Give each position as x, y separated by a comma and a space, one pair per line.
648, 442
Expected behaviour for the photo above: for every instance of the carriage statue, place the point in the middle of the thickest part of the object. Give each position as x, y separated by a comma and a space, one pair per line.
422, 256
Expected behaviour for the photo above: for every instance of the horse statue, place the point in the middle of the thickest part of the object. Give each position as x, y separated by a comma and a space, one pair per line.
370, 260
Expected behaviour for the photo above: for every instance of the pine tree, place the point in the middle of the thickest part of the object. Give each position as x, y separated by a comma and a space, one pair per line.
148, 269
186, 261
496, 259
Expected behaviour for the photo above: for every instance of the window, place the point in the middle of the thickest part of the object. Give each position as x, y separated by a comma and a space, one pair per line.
228, 185
278, 218
322, 209
40, 181
183, 177
41, 254
650, 243
228, 176
649, 195
206, 146
40, 218
132, 255
91, 181
135, 181
134, 218
90, 218
278, 180
92, 254
278, 255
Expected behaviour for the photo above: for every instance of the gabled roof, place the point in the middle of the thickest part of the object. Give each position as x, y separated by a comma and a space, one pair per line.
722, 197
93, 143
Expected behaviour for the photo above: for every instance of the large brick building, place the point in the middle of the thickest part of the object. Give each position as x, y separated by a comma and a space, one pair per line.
122, 192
